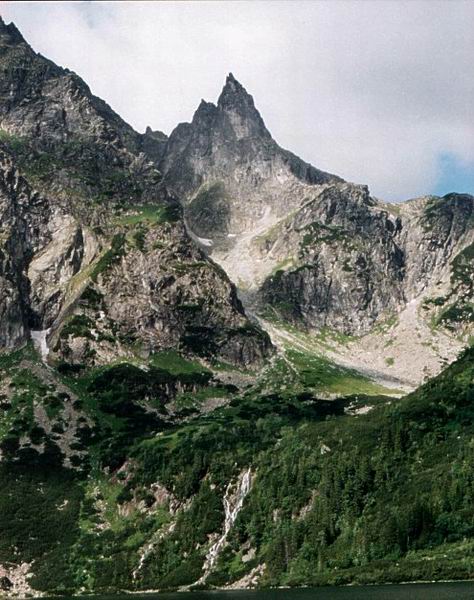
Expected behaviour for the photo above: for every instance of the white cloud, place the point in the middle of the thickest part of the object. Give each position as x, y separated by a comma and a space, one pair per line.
374, 91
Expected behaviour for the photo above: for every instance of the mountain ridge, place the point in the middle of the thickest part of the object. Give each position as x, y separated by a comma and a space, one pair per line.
317, 252
104, 196
206, 346
274, 223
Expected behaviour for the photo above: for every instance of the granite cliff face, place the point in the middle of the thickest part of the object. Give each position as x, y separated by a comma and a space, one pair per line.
85, 214
228, 170
345, 268
306, 248
354, 261
22, 213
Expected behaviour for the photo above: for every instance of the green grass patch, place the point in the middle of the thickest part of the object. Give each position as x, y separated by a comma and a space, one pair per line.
78, 326
149, 214
319, 374
110, 256
175, 363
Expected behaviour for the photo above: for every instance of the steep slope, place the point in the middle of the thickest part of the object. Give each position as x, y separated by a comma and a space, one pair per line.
396, 281
73, 139
138, 448
54, 105
96, 261
269, 490
385, 256
306, 249
229, 171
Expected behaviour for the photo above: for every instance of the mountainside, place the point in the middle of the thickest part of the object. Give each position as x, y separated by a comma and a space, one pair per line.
308, 249
95, 256
205, 349
277, 489
228, 170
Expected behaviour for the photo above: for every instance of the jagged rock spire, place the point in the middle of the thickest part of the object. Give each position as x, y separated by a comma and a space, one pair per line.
234, 94
233, 90
234, 98
10, 33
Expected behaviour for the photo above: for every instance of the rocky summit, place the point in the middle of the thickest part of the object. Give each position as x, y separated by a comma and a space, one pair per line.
91, 236
219, 365
308, 249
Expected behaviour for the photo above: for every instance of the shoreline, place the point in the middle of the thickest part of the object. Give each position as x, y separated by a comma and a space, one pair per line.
287, 587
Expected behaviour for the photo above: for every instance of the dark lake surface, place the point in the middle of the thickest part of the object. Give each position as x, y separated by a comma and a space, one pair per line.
419, 591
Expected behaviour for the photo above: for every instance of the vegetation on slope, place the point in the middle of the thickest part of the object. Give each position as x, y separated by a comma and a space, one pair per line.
351, 490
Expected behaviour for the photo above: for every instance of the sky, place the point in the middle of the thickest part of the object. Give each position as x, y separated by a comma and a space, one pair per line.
379, 92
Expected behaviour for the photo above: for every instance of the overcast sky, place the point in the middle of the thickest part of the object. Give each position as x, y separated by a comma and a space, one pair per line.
379, 92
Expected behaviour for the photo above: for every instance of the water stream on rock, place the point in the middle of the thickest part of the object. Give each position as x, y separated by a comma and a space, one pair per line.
233, 500
40, 343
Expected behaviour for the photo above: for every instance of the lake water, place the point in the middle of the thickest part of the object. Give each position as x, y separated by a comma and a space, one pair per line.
419, 591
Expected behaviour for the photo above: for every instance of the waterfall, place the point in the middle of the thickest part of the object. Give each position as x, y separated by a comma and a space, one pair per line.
40, 343
148, 548
233, 500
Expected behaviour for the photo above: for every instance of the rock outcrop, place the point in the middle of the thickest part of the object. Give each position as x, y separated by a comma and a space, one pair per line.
94, 252
354, 261
228, 170
318, 251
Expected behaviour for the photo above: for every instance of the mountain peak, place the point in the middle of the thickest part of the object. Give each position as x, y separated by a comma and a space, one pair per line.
204, 113
234, 93
10, 33
232, 83
235, 99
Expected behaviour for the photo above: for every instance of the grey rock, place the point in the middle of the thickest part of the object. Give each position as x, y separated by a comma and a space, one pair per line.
354, 263
72, 173
317, 250
163, 295
226, 162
